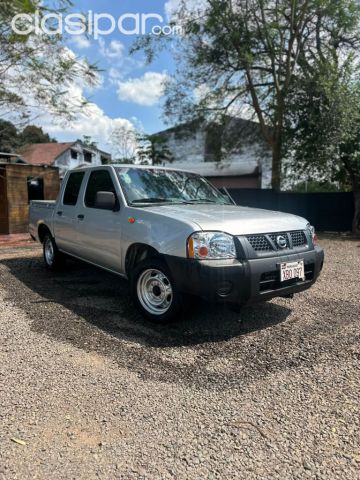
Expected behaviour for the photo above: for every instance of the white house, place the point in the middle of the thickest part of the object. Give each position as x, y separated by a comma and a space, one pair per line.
231, 155
65, 156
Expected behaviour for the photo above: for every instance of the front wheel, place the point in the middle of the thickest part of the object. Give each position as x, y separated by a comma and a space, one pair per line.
154, 292
53, 259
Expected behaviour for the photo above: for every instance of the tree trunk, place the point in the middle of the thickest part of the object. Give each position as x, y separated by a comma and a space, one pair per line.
356, 222
276, 165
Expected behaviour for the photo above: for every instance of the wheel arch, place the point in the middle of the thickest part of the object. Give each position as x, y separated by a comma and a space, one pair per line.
43, 229
136, 253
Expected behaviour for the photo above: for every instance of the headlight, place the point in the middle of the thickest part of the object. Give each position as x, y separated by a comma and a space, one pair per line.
211, 245
313, 234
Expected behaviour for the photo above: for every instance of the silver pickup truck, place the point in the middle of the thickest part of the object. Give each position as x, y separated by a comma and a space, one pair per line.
173, 235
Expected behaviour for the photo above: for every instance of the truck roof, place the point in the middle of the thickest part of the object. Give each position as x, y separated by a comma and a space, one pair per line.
130, 165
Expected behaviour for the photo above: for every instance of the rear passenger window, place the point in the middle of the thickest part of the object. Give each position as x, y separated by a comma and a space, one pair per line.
73, 188
99, 181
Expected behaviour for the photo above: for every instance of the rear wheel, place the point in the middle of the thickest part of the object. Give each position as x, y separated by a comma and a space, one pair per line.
154, 292
52, 257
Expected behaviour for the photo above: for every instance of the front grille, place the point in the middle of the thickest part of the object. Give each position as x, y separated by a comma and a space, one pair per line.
298, 239
274, 236
259, 243
271, 280
268, 242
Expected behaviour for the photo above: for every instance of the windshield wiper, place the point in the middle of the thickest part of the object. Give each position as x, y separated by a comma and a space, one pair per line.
153, 200
204, 200
149, 200
144, 201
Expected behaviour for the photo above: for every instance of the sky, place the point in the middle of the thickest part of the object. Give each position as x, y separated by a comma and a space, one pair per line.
130, 91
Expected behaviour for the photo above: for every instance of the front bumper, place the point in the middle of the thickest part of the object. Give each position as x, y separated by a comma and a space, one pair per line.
246, 281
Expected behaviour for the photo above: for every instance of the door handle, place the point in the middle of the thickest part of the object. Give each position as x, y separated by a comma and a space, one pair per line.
81, 217
59, 213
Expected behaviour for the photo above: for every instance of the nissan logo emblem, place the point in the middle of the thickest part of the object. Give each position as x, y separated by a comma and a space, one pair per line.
281, 241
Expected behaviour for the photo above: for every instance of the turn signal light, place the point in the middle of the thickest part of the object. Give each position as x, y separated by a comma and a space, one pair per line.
191, 248
314, 237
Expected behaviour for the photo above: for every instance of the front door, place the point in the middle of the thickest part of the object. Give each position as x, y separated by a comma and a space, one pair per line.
99, 230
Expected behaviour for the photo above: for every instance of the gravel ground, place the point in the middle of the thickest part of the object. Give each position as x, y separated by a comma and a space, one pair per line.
92, 391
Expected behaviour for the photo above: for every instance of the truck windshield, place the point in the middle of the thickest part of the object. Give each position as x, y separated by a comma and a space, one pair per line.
147, 186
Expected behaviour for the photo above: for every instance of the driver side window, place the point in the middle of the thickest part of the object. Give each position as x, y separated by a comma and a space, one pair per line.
99, 181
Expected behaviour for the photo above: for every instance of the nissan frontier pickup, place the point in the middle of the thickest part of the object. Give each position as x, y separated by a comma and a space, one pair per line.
173, 235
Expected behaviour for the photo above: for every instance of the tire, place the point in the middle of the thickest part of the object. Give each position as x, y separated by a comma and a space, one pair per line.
53, 259
234, 307
154, 292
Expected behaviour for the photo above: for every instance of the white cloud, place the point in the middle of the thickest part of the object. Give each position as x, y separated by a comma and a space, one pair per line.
119, 63
92, 121
80, 42
201, 92
42, 107
146, 90
114, 75
115, 50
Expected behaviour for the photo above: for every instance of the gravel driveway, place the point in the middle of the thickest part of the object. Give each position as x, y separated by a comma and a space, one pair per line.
89, 390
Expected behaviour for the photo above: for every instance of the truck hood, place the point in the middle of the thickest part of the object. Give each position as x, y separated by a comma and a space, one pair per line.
231, 218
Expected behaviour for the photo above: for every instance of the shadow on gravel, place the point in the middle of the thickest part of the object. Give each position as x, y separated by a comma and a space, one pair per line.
211, 348
102, 300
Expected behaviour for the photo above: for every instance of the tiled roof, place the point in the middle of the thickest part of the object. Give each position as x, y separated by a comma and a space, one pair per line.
43, 153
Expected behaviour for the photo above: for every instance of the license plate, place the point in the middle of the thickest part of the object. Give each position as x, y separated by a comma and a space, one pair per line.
289, 271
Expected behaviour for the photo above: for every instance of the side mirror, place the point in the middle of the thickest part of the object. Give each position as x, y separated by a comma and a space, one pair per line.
106, 201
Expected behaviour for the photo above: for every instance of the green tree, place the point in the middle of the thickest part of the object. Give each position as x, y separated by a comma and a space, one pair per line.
9, 140
37, 70
153, 149
244, 55
88, 141
324, 125
34, 134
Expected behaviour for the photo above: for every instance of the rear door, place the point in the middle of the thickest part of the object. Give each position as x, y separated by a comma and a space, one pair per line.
65, 215
98, 230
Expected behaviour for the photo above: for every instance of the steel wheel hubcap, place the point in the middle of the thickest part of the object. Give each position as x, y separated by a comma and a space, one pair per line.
49, 252
154, 291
